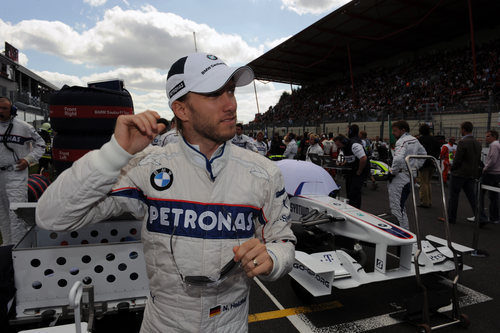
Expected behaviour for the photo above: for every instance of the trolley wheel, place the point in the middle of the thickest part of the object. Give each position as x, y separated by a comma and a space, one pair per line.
464, 320
423, 328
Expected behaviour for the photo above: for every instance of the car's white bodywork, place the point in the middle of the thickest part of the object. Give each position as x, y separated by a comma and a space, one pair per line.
319, 272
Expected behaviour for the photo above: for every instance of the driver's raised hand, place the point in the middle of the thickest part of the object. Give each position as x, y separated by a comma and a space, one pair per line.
135, 132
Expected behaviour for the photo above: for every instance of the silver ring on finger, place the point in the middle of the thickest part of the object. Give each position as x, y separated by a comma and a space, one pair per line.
255, 263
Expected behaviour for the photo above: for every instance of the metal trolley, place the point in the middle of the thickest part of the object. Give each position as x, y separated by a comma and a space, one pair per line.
424, 325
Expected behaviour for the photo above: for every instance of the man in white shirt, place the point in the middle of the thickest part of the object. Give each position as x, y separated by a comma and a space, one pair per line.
399, 187
291, 147
314, 147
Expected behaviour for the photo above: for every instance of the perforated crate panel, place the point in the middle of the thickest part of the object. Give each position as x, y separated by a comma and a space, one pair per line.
108, 255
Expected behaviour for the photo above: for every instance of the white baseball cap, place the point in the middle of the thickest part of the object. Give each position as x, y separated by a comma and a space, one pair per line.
203, 73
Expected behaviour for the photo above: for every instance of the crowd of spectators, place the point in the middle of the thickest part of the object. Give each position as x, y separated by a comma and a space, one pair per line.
440, 80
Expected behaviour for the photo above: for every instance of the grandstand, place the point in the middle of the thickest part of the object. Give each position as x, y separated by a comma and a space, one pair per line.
423, 61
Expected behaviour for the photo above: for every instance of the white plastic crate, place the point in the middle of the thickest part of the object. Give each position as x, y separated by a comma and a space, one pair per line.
107, 255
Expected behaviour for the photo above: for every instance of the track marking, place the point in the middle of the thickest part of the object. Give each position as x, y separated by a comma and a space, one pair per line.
470, 297
297, 322
293, 311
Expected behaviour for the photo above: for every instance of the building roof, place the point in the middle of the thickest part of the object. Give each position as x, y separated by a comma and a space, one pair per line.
371, 31
29, 73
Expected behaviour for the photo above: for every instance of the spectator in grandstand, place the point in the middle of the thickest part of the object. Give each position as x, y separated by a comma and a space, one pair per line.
431, 146
436, 81
261, 144
241, 140
491, 175
314, 146
464, 171
447, 156
357, 161
291, 146
399, 183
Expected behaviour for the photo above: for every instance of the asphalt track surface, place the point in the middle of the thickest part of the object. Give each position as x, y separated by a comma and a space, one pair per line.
379, 307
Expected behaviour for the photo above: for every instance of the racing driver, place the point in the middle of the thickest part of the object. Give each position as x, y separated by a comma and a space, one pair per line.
204, 235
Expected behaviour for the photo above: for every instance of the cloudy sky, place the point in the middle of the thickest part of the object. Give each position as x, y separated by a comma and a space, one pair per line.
78, 41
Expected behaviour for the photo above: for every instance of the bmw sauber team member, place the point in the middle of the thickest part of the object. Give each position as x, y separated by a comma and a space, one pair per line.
261, 144
20, 145
399, 187
197, 223
359, 166
242, 140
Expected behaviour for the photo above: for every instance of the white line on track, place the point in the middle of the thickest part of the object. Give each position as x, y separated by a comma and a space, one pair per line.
299, 323
304, 325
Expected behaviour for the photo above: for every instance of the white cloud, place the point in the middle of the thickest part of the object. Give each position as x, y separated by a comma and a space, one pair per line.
132, 38
139, 46
23, 59
271, 44
267, 94
315, 7
95, 3
154, 97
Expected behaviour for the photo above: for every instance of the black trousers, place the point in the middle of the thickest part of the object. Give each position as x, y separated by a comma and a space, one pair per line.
353, 184
456, 184
492, 180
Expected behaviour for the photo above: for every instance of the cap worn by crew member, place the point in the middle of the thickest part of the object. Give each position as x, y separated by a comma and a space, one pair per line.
204, 74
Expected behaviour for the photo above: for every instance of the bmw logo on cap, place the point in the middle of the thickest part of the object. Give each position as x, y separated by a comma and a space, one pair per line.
162, 179
211, 57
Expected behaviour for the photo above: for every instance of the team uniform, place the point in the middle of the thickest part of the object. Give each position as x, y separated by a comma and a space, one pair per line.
291, 149
183, 196
261, 147
314, 149
162, 140
244, 141
26, 144
353, 152
399, 187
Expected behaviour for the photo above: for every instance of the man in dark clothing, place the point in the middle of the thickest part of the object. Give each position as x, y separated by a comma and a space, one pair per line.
432, 148
464, 171
277, 145
356, 159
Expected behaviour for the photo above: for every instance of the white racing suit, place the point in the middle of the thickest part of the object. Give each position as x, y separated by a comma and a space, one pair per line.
26, 144
171, 136
399, 188
244, 141
209, 205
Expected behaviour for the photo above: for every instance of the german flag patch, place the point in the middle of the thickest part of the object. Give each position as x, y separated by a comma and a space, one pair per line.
215, 311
